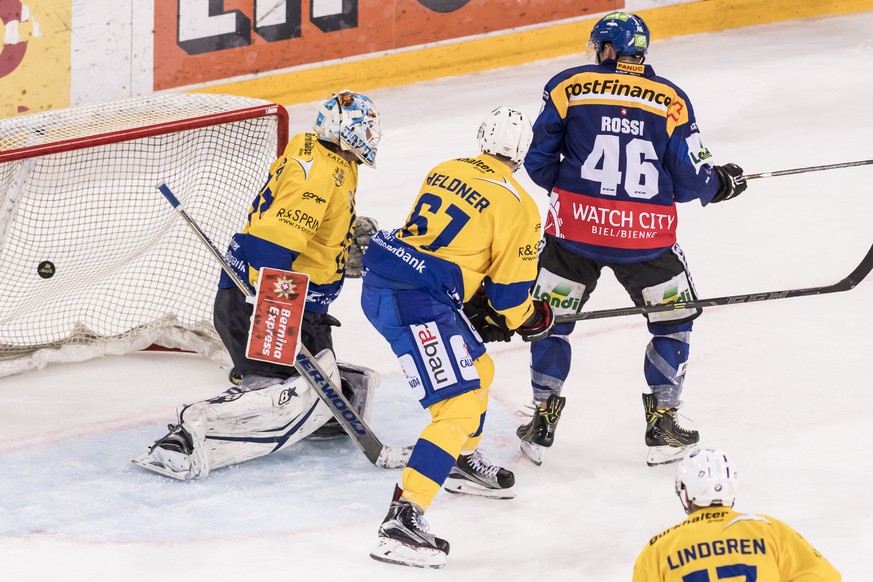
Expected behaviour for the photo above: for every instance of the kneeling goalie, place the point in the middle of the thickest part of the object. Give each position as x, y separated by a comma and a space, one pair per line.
302, 220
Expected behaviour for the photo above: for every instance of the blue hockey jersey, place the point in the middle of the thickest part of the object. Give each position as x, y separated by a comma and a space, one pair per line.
617, 146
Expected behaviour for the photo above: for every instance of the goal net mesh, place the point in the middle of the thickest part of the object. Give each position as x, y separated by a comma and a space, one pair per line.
94, 259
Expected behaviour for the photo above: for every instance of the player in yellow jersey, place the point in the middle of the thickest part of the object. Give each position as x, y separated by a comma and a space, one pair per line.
471, 238
303, 220
718, 543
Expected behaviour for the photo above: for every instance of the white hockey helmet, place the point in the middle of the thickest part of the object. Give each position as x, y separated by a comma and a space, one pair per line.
507, 133
350, 120
706, 477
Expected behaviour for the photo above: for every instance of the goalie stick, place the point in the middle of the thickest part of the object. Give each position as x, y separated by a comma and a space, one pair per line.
846, 284
383, 456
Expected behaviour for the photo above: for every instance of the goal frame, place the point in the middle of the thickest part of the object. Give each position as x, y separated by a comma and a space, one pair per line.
39, 135
110, 137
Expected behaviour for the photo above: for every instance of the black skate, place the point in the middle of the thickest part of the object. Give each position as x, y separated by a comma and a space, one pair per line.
668, 442
171, 455
473, 474
539, 433
404, 537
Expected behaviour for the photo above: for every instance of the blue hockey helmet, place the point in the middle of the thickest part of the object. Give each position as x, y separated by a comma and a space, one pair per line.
627, 33
350, 121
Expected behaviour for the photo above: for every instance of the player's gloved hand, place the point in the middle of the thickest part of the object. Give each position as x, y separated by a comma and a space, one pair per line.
490, 324
540, 324
363, 228
733, 183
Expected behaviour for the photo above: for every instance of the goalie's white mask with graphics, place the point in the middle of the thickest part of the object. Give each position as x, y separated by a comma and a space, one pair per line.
350, 120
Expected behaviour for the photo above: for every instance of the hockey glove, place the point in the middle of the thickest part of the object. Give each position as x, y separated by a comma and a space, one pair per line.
363, 228
540, 324
490, 324
733, 183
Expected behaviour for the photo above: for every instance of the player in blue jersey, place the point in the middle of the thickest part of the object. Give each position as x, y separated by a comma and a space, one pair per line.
718, 543
617, 146
466, 254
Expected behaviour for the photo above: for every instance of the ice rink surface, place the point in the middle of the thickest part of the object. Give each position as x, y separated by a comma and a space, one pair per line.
784, 386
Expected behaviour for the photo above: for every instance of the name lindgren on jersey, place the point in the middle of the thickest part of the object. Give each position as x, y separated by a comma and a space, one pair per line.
617, 146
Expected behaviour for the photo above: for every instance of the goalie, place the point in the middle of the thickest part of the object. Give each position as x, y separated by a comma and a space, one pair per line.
304, 220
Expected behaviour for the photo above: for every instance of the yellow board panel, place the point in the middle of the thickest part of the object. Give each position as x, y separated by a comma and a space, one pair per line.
310, 84
35, 56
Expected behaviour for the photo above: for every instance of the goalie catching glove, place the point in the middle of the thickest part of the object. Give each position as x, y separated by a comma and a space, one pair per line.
363, 228
490, 324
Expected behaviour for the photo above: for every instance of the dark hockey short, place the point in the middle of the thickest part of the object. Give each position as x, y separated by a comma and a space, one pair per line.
232, 315
634, 277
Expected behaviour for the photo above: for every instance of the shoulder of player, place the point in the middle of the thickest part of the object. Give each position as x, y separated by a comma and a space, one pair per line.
673, 86
496, 178
306, 148
705, 515
570, 73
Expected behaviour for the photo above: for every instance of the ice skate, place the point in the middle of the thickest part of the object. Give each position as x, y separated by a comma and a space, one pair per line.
404, 538
473, 474
171, 455
539, 434
668, 442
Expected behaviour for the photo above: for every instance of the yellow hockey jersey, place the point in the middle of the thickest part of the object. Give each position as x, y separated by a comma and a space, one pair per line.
472, 222
301, 220
718, 543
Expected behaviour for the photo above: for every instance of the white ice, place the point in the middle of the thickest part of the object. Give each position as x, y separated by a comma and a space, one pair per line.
784, 386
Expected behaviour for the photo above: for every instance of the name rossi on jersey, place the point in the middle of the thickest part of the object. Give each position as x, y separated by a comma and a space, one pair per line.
610, 223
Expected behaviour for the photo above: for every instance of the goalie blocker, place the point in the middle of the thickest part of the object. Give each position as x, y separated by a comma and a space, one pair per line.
239, 426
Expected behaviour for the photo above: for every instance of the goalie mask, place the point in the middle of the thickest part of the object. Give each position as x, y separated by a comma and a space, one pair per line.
706, 477
350, 121
506, 133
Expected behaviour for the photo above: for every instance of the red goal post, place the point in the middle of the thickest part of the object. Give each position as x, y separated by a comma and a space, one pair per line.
94, 260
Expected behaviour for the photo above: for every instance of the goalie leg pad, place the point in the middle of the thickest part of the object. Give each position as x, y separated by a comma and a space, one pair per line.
239, 426
358, 385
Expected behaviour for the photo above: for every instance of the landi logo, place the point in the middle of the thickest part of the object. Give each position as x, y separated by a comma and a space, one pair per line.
20, 27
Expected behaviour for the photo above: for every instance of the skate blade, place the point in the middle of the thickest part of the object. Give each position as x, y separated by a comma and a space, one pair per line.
536, 453
394, 552
464, 487
664, 455
157, 463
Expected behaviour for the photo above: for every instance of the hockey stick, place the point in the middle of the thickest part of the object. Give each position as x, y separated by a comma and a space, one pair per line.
383, 456
849, 282
809, 169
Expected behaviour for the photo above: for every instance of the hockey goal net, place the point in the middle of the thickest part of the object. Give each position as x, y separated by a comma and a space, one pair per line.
94, 260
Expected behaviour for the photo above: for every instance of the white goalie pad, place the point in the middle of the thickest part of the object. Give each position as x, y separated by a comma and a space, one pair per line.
362, 382
238, 426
